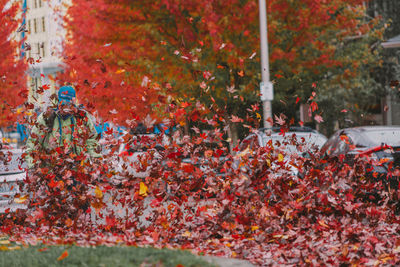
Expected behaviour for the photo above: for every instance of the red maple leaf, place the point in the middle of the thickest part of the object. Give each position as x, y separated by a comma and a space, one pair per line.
280, 120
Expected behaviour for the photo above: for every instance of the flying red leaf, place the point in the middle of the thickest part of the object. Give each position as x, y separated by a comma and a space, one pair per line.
236, 119
280, 120
318, 118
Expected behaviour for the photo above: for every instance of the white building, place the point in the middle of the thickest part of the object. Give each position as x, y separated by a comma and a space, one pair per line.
45, 35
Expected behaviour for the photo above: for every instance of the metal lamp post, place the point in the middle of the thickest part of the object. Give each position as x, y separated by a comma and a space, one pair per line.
266, 87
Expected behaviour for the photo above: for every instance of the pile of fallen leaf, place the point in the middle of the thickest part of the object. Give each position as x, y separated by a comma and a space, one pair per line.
249, 206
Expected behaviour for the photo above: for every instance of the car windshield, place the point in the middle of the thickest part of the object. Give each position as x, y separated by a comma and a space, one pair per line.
309, 139
389, 137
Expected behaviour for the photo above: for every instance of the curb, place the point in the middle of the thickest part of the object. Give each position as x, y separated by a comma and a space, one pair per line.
227, 262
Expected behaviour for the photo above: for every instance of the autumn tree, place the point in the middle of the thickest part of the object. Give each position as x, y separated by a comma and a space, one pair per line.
327, 47
12, 66
208, 52
387, 74
104, 41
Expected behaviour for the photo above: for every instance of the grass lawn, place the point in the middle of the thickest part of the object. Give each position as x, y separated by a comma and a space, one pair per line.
98, 256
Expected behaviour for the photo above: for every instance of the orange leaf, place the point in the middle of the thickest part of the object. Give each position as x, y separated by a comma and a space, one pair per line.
63, 256
322, 223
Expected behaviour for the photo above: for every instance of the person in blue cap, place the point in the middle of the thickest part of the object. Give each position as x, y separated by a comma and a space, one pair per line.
57, 129
61, 142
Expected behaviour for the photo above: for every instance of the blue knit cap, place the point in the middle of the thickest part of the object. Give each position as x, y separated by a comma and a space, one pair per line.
66, 94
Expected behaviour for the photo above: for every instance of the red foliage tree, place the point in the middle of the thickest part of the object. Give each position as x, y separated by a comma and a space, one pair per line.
12, 67
208, 51
102, 46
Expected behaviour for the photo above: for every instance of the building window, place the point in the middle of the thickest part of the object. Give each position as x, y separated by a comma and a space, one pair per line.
38, 49
29, 26
40, 3
35, 1
43, 24
35, 83
34, 25
42, 46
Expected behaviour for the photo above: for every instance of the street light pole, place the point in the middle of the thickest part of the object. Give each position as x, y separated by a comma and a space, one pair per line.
266, 87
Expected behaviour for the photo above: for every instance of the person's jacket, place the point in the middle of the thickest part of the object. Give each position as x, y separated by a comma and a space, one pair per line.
75, 134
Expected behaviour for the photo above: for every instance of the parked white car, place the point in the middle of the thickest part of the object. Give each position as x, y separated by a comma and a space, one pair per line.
303, 135
12, 172
298, 141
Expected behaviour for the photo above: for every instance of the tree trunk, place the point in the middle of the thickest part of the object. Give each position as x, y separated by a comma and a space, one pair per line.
233, 135
186, 126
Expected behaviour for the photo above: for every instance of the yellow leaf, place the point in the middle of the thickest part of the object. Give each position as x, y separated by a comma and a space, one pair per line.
143, 189
254, 228
4, 248
4, 242
21, 200
187, 234
63, 256
280, 157
269, 163
98, 193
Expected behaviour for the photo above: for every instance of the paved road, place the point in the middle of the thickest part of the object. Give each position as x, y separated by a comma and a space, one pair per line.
189, 207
